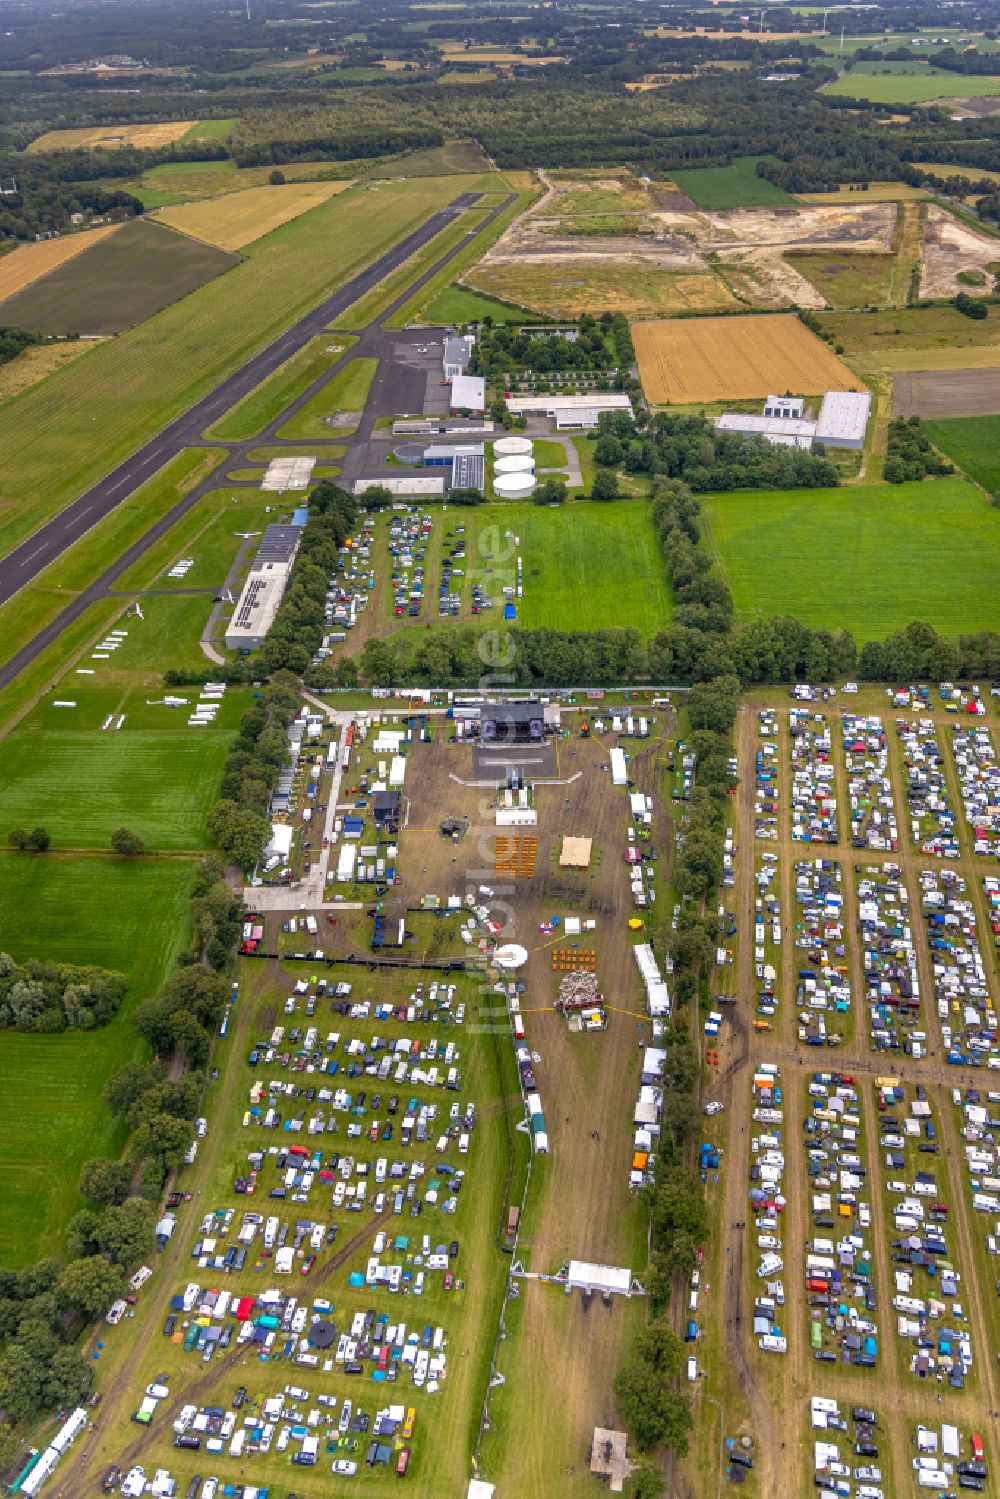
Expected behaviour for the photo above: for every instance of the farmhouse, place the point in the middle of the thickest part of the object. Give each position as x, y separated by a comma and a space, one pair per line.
842, 421
264, 588
512, 723
468, 393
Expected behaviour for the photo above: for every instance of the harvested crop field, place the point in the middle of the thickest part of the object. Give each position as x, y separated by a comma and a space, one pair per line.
118, 282
564, 289
951, 248
109, 137
236, 220
35, 362
29, 263
875, 192
944, 393
711, 359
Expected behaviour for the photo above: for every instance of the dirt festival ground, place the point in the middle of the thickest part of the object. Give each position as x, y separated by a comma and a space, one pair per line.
711, 359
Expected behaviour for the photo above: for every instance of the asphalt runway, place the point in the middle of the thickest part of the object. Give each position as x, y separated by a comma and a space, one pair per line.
34, 554
21, 566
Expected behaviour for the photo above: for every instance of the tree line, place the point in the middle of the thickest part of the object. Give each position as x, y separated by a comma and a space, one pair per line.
690, 448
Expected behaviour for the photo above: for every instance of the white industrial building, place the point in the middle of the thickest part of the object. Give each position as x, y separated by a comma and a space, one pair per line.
264, 588
842, 421
787, 432
843, 418
569, 411
784, 406
417, 485
468, 393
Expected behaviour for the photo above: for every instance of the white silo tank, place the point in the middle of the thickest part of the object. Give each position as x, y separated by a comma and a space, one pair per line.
510, 447
513, 486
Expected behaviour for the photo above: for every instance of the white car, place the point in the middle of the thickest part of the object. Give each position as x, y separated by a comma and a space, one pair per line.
899, 1187
345, 1467
714, 1107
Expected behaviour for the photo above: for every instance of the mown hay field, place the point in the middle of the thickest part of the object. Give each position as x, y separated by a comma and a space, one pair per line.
109, 137
35, 362
568, 286
238, 219
117, 282
875, 192
711, 359
29, 263
82, 784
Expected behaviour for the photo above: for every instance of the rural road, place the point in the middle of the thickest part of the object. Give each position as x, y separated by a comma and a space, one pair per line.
21, 566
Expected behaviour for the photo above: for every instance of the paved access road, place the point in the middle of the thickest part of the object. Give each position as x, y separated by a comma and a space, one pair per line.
34, 554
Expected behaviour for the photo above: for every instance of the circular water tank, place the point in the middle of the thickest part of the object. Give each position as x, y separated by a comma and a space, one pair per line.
507, 447
513, 486
520, 463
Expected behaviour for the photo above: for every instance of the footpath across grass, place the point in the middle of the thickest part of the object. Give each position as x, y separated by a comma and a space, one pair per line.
868, 558
130, 916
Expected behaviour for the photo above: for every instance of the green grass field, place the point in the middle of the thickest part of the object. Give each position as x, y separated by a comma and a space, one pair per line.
579, 562
82, 784
129, 387
913, 88
971, 442
868, 558
735, 186
131, 917
269, 400
456, 305
29, 611
118, 282
211, 130
347, 391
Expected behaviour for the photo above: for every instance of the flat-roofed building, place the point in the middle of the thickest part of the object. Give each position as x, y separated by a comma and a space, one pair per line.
468, 393
843, 418
457, 353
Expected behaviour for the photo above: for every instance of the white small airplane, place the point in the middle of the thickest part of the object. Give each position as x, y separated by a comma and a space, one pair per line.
247, 535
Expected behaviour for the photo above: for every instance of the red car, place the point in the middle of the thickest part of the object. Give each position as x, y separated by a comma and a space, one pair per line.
307, 1264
